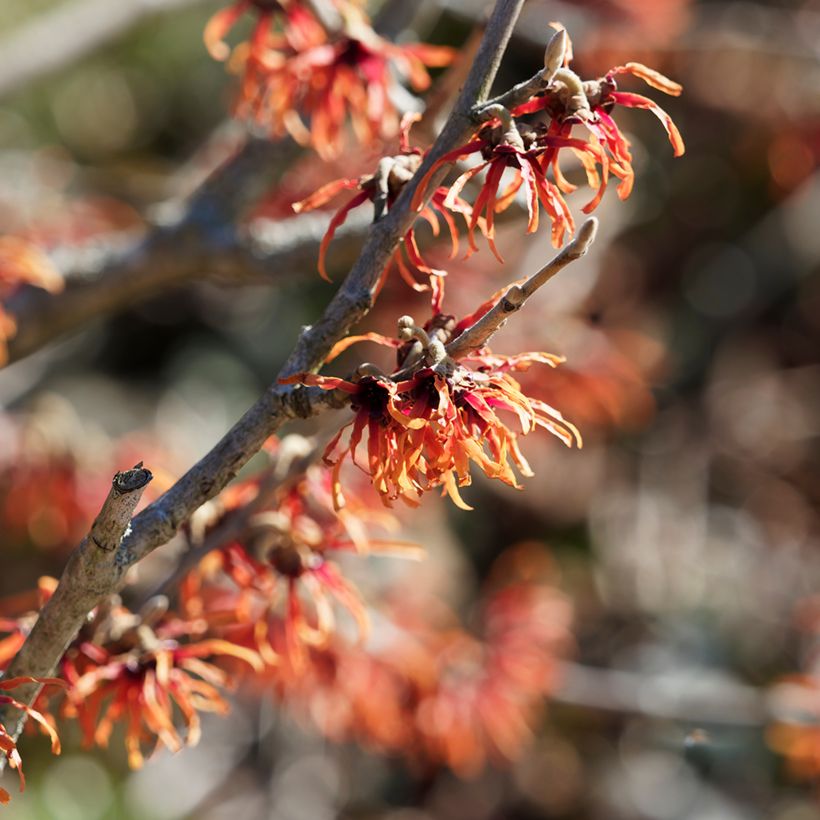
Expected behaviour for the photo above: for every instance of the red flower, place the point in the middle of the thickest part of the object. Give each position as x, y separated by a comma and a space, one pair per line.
528, 153
432, 417
7, 745
506, 143
595, 116
383, 188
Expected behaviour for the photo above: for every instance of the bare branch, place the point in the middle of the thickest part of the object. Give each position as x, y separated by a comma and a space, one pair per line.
289, 466
89, 576
476, 336
63, 35
701, 700
355, 298
103, 279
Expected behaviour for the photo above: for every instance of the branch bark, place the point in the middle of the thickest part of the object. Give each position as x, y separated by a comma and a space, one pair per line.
477, 335
86, 580
103, 280
705, 700
99, 573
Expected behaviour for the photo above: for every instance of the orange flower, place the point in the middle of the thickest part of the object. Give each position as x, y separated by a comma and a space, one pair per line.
7, 745
433, 417
329, 78
796, 734
350, 78
138, 670
279, 566
21, 263
428, 689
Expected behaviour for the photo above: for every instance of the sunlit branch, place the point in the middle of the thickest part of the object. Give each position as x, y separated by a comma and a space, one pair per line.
90, 575
515, 298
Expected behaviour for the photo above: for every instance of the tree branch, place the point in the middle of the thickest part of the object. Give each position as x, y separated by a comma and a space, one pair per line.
477, 335
68, 32
102, 280
294, 456
86, 579
705, 700
352, 301
158, 522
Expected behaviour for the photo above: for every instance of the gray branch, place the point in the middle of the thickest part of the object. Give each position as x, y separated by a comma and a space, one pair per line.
91, 575
477, 335
85, 581
104, 278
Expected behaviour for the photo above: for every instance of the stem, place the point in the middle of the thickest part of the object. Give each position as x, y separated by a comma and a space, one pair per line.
477, 335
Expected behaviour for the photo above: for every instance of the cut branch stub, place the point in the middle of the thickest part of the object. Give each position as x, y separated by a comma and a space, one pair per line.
90, 575
118, 509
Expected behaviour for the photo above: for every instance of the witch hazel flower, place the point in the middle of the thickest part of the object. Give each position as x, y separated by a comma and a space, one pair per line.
8, 745
382, 188
331, 71
425, 424
280, 567
518, 154
570, 101
428, 688
145, 670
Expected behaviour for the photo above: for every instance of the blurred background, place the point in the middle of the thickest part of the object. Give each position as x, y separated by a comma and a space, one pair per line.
684, 534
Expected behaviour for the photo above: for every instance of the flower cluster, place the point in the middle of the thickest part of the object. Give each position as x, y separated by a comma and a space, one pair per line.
142, 669
516, 155
328, 70
426, 422
276, 565
529, 150
429, 690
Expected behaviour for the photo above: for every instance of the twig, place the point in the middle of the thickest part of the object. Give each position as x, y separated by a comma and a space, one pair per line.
62, 36
85, 581
702, 701
477, 335
518, 94
158, 522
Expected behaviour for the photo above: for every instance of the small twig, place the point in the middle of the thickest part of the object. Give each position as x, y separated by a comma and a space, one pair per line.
90, 575
520, 93
665, 698
477, 335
